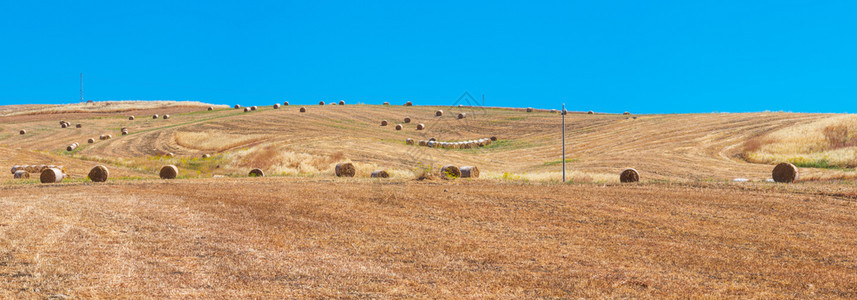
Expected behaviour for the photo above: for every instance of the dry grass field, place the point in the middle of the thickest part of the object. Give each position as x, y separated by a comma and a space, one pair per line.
685, 230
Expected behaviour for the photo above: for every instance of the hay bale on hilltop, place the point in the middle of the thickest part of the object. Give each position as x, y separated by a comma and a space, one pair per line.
409, 103
380, 174
785, 173
155, 117
236, 106
276, 106
469, 172
383, 122
341, 102
51, 176
450, 172
286, 103
590, 112
529, 109
303, 109
629, 175
626, 113
399, 127
386, 103
246, 109
90, 140
131, 118
22, 131
210, 108
254, 107
421, 126
257, 173
438, 113
99, 174
169, 172
345, 170
407, 120
320, 102
462, 116
21, 174
409, 141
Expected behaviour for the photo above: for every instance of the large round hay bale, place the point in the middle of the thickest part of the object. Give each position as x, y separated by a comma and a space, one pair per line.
386, 103
626, 113
70, 148
629, 175
422, 143
399, 127
785, 172
166, 117
155, 116
450, 172
246, 109
51, 176
303, 109
210, 108
109, 136
63, 125
169, 172
469, 172
320, 102
438, 113
286, 103
431, 144
78, 126
131, 118
432, 139
407, 119
206, 155
276, 105
124, 132
409, 141
99, 174
341, 102
23, 131
383, 122
380, 174
21, 174
254, 107
62, 122
421, 126
529, 109
237, 106
409, 103
590, 112
345, 169
90, 140
462, 115
493, 138
15, 168
257, 173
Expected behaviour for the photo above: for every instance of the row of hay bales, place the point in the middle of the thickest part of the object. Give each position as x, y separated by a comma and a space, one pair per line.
452, 172
400, 127
782, 172
469, 144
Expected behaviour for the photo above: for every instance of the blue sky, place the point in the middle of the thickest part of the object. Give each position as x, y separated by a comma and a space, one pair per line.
608, 56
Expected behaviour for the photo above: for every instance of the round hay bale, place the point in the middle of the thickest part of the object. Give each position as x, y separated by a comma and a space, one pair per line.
469, 172
590, 112
51, 176
21, 174
70, 148
386, 103
431, 144
169, 172
450, 172
90, 140
341, 102
62, 122
462, 115
166, 117
629, 175
320, 102
257, 173
155, 116
380, 174
246, 109
78, 126
303, 109
15, 168
125, 132
109, 136
407, 120
409, 141
210, 108
286, 103
23, 131
383, 122
276, 105
63, 125
422, 143
237, 106
438, 113
331, 103
626, 113
432, 139
409, 103
399, 127
421, 126
206, 155
785, 172
99, 174
493, 138
169, 154
131, 118
254, 107
529, 109
345, 169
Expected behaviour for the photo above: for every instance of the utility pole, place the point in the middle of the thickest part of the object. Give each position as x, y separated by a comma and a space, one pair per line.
483, 99
81, 87
563, 141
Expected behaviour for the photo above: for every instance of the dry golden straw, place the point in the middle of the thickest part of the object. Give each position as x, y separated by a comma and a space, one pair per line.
99, 174
469, 172
380, 174
450, 172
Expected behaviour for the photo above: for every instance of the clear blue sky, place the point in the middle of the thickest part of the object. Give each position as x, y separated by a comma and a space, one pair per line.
609, 56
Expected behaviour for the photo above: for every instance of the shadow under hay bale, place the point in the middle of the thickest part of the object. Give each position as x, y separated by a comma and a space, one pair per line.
380, 174
785, 173
169, 172
257, 173
450, 172
51, 176
21, 174
469, 172
629, 175
345, 170
99, 174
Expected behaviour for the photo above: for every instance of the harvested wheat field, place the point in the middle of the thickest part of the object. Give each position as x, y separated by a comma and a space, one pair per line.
684, 230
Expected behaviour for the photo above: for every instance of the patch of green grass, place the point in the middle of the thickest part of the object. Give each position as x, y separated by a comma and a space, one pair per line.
558, 162
818, 163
